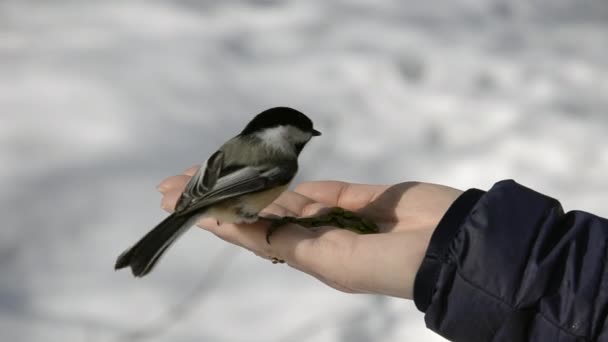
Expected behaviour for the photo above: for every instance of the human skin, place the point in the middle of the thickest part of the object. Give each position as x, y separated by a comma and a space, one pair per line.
385, 263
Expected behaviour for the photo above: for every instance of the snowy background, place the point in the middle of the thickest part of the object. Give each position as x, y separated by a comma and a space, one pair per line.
100, 100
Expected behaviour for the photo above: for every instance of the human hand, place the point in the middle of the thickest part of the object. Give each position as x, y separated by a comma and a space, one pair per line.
384, 263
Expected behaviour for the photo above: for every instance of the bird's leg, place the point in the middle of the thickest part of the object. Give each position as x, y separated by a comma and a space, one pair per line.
335, 217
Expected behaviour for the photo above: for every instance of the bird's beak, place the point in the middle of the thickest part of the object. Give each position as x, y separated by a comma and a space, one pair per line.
315, 133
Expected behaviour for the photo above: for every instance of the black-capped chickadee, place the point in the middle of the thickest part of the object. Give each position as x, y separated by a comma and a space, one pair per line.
239, 180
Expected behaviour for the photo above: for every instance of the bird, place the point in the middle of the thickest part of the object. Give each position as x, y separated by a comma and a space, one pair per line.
241, 178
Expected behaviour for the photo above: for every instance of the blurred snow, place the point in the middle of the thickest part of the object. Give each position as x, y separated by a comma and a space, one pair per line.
102, 100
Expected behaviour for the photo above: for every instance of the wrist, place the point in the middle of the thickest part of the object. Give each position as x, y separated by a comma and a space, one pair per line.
389, 262
438, 247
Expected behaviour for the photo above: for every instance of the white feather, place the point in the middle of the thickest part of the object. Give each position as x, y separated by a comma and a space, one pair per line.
283, 138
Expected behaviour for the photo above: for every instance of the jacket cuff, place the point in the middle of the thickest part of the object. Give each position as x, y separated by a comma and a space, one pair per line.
436, 254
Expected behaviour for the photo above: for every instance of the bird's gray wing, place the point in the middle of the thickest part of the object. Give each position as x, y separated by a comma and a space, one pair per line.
238, 181
207, 175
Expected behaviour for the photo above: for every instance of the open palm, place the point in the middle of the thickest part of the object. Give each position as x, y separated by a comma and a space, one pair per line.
384, 263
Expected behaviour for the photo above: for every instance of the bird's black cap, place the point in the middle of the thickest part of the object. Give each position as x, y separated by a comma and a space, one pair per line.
279, 116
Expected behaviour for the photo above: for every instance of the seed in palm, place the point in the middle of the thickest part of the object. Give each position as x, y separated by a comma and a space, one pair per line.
334, 217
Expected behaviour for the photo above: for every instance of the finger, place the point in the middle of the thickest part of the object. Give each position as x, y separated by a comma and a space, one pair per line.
170, 199
173, 182
346, 195
295, 202
208, 223
289, 242
267, 257
227, 232
320, 252
315, 209
191, 170
177, 180
275, 209
253, 237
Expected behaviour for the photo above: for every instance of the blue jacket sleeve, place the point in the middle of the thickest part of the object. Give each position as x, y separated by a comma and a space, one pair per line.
510, 265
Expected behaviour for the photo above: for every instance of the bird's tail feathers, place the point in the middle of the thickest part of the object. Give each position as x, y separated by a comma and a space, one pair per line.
144, 255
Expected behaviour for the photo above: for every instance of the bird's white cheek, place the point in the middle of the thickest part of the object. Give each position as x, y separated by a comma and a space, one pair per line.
275, 138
